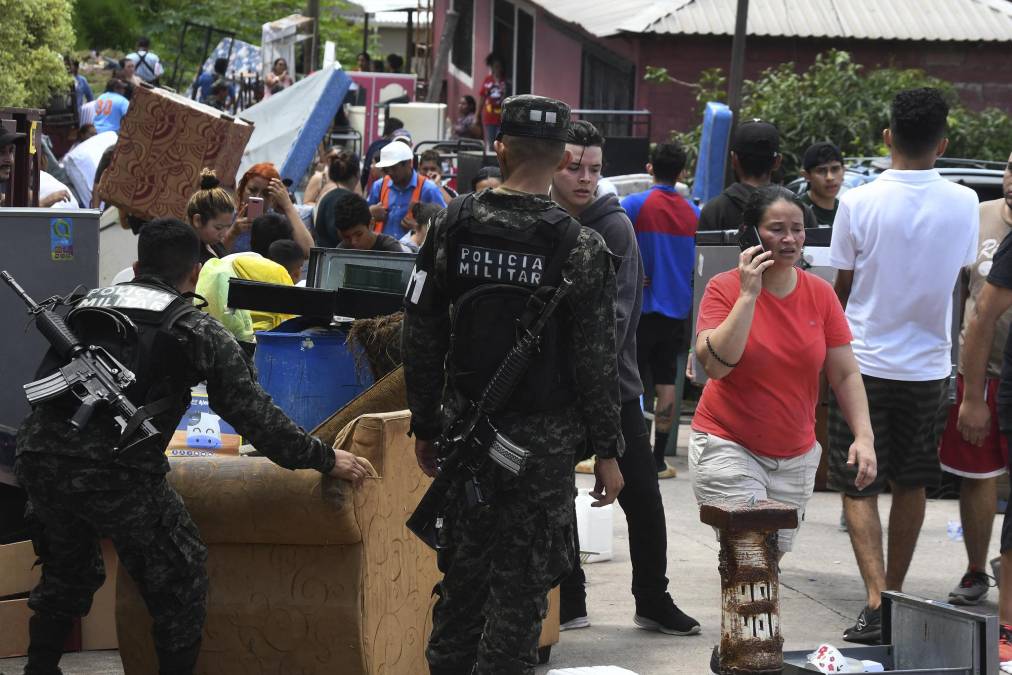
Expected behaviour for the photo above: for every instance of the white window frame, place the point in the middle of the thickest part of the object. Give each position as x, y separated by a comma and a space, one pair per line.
532, 12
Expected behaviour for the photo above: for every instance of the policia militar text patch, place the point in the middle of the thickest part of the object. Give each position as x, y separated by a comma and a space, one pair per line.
495, 264
128, 296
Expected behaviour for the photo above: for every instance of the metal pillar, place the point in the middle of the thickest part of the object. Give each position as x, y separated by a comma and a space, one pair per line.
409, 48
737, 74
365, 37
442, 57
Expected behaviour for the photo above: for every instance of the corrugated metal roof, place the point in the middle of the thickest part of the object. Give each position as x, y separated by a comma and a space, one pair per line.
930, 20
377, 6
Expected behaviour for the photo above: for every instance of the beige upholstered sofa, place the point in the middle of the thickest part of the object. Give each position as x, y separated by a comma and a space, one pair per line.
306, 575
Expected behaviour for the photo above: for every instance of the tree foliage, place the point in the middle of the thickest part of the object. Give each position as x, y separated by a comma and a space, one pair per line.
106, 24
840, 101
34, 35
116, 24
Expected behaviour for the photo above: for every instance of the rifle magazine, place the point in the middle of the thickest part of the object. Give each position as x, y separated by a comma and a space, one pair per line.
46, 388
508, 454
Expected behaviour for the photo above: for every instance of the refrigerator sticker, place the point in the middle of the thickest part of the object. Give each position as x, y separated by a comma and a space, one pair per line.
61, 239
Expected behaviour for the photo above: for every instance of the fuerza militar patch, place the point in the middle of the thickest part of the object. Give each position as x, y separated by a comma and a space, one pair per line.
493, 264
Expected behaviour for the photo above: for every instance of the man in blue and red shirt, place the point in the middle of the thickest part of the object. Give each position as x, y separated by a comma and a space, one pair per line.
665, 224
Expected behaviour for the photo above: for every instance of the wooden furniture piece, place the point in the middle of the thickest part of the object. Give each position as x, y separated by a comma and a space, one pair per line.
306, 575
23, 188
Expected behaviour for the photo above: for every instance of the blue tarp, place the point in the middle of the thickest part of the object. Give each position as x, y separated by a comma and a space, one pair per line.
245, 57
292, 123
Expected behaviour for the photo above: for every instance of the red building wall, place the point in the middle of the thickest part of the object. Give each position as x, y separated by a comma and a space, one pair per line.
558, 59
557, 56
977, 70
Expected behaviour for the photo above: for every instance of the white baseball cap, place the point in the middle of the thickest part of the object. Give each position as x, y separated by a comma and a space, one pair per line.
394, 153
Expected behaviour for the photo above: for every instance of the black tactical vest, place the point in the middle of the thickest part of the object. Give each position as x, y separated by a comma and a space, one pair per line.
133, 322
492, 273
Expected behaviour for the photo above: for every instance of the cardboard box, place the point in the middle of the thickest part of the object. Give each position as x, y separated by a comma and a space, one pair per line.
165, 140
14, 615
98, 628
202, 433
16, 572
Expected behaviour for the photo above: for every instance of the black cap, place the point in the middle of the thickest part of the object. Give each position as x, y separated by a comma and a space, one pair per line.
821, 153
756, 138
8, 137
534, 117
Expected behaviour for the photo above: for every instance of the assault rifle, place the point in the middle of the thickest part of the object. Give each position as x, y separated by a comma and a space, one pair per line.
471, 436
92, 374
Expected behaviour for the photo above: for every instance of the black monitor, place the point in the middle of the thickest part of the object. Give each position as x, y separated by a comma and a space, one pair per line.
375, 271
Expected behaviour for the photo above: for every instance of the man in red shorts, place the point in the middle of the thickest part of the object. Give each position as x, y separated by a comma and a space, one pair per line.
980, 466
993, 302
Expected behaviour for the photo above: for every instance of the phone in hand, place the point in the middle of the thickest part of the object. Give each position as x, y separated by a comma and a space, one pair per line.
749, 238
254, 207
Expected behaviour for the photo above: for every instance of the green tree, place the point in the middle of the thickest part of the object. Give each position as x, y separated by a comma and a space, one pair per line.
34, 35
118, 23
838, 100
106, 24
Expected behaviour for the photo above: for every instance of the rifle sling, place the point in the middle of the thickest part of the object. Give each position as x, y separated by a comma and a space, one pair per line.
553, 275
146, 412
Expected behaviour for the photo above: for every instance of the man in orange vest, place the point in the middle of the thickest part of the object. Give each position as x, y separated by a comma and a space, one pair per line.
390, 199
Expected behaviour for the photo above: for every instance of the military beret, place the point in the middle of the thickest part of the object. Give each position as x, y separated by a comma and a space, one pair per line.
534, 117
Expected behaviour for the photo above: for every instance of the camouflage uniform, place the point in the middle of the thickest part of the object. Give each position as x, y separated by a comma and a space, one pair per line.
501, 559
78, 493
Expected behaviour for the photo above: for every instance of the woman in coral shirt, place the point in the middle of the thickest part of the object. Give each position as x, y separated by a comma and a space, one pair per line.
764, 332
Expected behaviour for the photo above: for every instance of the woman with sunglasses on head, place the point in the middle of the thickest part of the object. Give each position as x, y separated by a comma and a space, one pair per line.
263, 182
211, 213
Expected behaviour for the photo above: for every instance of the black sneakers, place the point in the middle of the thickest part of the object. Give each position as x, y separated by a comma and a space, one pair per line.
868, 629
663, 615
715, 660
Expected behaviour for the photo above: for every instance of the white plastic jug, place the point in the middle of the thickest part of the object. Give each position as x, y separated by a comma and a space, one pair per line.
596, 527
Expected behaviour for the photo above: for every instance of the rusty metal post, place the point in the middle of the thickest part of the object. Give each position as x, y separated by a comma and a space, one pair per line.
750, 639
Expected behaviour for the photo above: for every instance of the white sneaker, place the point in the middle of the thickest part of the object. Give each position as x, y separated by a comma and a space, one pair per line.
575, 623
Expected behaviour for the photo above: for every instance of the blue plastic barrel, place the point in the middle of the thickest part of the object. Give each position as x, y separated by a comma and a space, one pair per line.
713, 152
310, 373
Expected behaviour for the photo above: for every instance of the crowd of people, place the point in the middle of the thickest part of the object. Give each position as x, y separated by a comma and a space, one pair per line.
767, 334
766, 330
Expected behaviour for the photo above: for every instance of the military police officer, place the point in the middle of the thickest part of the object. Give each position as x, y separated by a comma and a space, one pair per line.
484, 258
80, 489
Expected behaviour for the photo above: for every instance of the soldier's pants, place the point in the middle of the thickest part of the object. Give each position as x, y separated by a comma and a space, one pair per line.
75, 503
499, 563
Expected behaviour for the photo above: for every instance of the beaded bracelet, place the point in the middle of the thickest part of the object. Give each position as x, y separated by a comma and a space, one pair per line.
716, 356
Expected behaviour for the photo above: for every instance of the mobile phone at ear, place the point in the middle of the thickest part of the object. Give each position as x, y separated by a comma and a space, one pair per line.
749, 238
254, 207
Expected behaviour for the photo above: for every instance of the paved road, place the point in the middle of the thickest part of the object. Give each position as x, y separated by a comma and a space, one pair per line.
821, 590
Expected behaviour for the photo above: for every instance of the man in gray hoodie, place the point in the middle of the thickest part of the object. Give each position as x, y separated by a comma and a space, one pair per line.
574, 189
